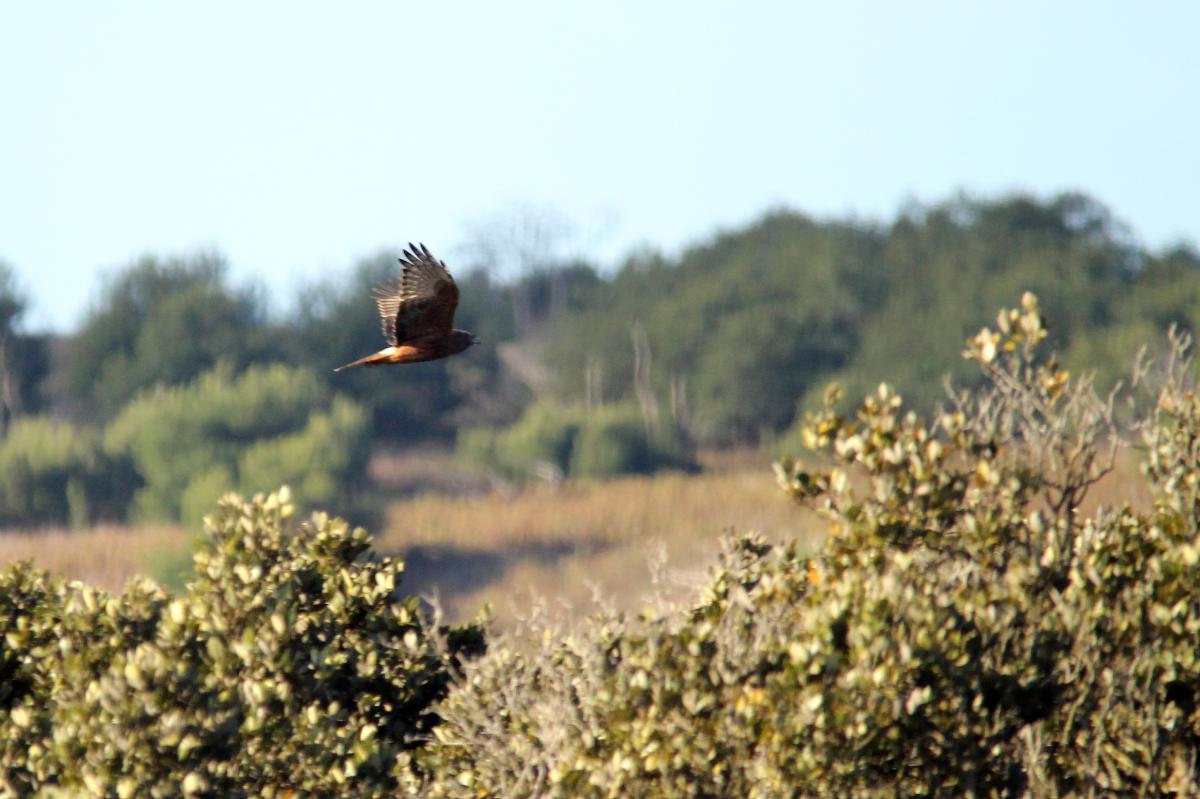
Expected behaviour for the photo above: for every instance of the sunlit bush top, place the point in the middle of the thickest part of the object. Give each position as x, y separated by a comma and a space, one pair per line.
289, 666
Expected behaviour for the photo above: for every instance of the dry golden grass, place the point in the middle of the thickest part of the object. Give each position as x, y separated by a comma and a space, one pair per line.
625, 510
566, 544
555, 543
1123, 484
561, 543
421, 470
104, 556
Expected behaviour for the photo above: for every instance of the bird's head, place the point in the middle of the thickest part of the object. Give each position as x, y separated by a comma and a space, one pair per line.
459, 340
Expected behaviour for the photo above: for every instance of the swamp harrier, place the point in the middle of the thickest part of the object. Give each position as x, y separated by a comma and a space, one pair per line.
418, 313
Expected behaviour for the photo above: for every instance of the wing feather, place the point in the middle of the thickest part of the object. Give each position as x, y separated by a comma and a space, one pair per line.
422, 303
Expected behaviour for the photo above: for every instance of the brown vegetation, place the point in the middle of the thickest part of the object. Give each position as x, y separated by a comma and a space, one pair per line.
568, 542
563, 544
105, 556
506, 546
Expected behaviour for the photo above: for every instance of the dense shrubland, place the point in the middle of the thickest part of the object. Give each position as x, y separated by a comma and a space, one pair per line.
728, 343
968, 628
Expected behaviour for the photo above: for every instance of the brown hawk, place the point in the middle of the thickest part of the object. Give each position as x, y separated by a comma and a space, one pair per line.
418, 313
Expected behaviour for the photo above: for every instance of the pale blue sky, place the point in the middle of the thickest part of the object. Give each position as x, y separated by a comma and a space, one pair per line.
296, 137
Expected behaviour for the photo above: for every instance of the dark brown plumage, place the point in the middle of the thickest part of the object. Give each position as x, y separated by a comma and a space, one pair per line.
417, 313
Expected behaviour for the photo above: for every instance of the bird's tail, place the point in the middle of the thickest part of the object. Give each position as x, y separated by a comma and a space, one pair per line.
370, 360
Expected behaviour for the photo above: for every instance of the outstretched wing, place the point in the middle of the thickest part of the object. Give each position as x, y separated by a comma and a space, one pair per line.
422, 303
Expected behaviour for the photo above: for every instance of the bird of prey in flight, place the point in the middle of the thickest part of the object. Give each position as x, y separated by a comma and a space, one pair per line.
418, 313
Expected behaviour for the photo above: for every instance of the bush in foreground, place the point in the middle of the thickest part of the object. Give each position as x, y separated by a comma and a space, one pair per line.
969, 630
288, 667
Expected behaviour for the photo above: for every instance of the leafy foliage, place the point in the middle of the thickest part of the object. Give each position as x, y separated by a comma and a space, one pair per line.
287, 666
967, 630
23, 358
193, 442
746, 320
540, 440
53, 472
555, 442
614, 440
756, 317
160, 322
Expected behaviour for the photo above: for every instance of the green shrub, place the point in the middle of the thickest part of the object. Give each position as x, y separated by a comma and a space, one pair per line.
52, 472
544, 435
161, 321
317, 459
477, 446
613, 440
605, 442
663, 705
287, 667
968, 630
270, 424
200, 490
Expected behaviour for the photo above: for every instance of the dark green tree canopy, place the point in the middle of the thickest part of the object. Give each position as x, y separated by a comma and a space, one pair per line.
162, 321
758, 318
24, 360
